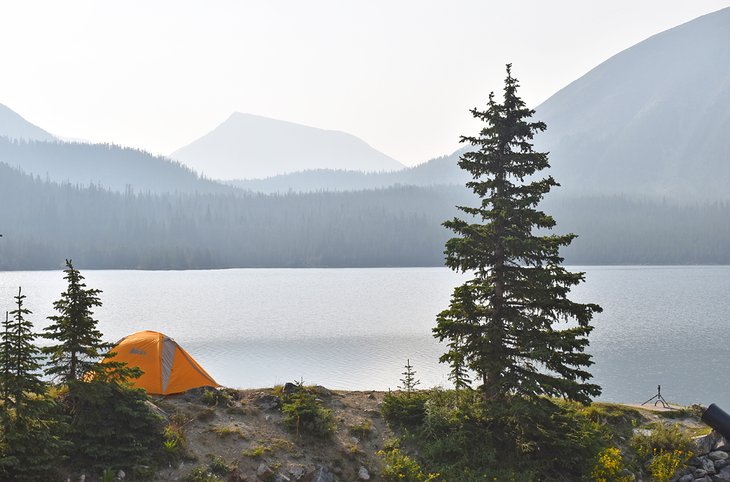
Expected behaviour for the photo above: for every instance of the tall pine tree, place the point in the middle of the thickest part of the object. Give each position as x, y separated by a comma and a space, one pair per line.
504, 322
80, 347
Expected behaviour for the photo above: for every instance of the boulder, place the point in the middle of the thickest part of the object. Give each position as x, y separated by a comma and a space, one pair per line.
686, 478
289, 388
297, 472
723, 474
717, 455
323, 474
363, 474
267, 402
722, 444
708, 465
264, 472
705, 443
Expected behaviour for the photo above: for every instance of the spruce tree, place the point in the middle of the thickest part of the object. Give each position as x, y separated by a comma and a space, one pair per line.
21, 360
30, 426
80, 347
504, 323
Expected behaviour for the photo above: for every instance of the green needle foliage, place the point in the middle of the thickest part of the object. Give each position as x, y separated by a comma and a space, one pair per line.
409, 380
503, 323
30, 425
80, 346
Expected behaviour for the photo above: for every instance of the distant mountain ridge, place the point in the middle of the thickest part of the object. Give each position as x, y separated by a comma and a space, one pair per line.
104, 165
439, 171
14, 126
653, 119
248, 146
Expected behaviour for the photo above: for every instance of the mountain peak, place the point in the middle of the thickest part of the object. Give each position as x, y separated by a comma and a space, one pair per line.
14, 126
247, 146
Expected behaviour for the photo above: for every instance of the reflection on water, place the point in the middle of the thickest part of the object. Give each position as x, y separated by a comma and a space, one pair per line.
355, 328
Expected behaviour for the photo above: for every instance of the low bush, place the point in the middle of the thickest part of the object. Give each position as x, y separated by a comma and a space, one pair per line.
664, 465
399, 467
304, 413
610, 467
404, 410
662, 438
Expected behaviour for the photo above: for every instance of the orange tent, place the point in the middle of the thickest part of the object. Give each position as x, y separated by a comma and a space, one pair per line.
167, 367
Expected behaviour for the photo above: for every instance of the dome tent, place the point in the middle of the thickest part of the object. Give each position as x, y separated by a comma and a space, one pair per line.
167, 367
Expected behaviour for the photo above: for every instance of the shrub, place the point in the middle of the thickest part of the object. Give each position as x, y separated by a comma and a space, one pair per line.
399, 467
303, 413
663, 438
202, 473
362, 429
112, 427
610, 467
664, 465
404, 410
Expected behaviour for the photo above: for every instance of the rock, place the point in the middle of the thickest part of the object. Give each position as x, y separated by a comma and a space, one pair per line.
686, 478
267, 402
718, 455
722, 444
289, 388
642, 431
322, 391
705, 443
323, 474
157, 410
373, 413
121, 475
721, 463
708, 465
371, 396
354, 440
724, 474
264, 472
699, 473
297, 472
363, 474
282, 478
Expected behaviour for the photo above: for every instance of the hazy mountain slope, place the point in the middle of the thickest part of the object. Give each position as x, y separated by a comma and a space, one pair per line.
399, 226
247, 146
653, 119
113, 167
439, 171
13, 126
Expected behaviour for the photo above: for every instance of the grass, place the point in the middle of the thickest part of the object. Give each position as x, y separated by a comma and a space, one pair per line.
227, 431
271, 445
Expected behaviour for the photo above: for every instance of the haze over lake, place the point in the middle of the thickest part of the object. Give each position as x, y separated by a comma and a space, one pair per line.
355, 328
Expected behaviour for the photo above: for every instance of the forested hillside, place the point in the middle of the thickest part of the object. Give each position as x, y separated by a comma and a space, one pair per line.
439, 171
106, 165
44, 223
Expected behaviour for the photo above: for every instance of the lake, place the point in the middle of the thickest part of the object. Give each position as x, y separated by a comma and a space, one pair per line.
355, 328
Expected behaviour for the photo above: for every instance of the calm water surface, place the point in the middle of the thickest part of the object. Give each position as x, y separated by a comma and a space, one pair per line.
355, 328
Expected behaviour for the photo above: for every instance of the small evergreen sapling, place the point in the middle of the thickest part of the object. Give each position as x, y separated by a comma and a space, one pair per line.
409, 379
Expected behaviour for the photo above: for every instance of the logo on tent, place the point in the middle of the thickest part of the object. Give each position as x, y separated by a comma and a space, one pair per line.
137, 351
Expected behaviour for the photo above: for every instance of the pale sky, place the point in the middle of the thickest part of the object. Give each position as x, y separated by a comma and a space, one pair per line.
399, 74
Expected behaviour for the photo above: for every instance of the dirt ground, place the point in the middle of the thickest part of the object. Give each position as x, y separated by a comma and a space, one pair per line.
252, 441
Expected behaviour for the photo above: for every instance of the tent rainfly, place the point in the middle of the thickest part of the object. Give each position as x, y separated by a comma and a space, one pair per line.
167, 367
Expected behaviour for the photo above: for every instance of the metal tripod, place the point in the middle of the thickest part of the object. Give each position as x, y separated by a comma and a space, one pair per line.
658, 398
